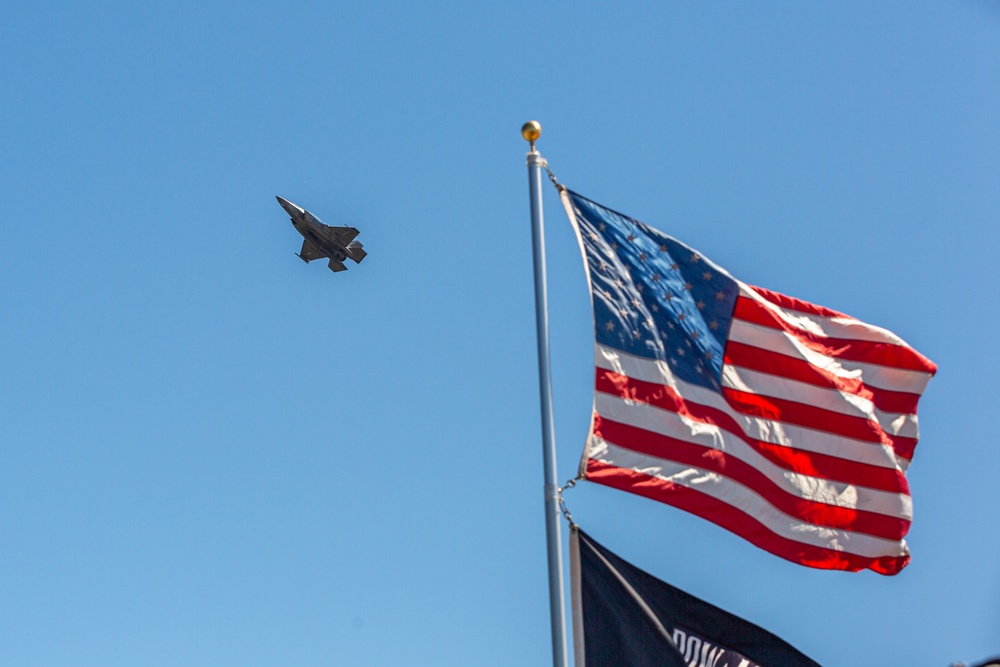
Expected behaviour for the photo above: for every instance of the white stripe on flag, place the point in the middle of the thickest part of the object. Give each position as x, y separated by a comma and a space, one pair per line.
818, 489
747, 501
882, 377
775, 386
765, 430
827, 326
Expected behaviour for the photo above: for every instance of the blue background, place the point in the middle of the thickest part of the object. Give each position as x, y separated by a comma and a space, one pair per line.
213, 454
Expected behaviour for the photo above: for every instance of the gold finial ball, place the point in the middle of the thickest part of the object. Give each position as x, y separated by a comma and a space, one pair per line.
531, 131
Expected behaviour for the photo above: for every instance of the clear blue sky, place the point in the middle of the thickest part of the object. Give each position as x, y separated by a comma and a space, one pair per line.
213, 454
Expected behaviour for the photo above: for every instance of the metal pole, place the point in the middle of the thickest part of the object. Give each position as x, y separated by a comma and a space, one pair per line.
557, 608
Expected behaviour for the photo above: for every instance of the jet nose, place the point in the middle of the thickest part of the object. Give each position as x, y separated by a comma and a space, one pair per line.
289, 207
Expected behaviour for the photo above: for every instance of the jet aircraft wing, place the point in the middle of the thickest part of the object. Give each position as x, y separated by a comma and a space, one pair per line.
310, 252
344, 234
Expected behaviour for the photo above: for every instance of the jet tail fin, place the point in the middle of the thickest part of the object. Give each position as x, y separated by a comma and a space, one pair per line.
356, 251
336, 265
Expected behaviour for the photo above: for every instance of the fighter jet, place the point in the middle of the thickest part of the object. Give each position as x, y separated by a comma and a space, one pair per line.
322, 241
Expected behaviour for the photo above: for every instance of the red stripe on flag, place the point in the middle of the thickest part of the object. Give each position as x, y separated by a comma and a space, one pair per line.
883, 354
808, 416
714, 460
833, 468
805, 462
791, 303
774, 363
738, 522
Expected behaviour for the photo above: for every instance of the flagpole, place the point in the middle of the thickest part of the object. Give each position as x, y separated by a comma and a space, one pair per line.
557, 608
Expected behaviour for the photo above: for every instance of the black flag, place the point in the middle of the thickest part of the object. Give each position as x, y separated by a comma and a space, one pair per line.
624, 617
992, 662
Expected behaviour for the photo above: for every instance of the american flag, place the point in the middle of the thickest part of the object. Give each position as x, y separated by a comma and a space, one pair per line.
789, 424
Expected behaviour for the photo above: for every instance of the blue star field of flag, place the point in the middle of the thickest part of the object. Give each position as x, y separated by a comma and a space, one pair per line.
653, 296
